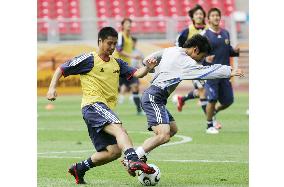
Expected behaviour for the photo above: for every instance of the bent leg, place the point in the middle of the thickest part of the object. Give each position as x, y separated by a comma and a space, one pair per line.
162, 135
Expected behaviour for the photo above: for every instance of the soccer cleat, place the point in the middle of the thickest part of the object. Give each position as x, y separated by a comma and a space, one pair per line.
79, 177
139, 165
212, 130
216, 124
180, 103
125, 162
144, 159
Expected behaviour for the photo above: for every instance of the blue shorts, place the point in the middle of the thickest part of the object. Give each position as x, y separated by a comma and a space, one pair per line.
96, 117
153, 103
219, 90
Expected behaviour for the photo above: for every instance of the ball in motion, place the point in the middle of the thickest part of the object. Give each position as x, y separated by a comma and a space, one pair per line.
149, 179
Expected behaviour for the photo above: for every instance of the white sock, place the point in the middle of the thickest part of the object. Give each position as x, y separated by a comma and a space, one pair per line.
140, 152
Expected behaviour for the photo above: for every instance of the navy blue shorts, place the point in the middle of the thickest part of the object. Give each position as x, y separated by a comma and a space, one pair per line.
219, 90
97, 116
128, 83
153, 103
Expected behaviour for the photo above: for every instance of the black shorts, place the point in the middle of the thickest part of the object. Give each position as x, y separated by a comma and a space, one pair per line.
128, 83
96, 117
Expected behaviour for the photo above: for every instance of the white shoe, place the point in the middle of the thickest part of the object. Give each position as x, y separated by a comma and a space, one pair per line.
212, 130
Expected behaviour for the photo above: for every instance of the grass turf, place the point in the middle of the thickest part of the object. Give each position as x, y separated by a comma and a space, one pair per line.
208, 160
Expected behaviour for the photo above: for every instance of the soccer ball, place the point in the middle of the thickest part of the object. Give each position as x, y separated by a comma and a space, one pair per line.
149, 179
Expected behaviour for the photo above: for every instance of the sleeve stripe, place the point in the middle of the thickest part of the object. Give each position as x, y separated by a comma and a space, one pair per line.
204, 75
62, 71
131, 74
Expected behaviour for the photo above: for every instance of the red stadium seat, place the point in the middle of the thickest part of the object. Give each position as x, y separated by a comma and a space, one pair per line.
60, 9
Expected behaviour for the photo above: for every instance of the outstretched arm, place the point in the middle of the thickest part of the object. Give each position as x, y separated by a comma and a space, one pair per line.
150, 64
51, 94
215, 71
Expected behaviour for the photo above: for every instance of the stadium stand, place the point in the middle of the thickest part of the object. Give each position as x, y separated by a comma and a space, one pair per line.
118, 9
58, 10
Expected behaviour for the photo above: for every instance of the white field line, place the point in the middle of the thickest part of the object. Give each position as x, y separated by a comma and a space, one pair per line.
181, 161
63, 157
205, 161
185, 139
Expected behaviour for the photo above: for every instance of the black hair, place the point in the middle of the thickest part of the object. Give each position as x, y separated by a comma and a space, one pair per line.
124, 20
106, 32
193, 10
199, 41
134, 39
214, 10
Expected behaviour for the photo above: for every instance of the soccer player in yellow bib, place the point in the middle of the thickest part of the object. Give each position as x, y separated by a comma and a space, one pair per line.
99, 74
124, 50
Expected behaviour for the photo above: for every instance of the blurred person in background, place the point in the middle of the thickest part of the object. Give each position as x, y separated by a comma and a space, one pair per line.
124, 51
134, 87
219, 89
197, 15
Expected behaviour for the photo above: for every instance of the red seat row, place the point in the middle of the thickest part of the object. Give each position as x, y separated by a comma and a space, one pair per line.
58, 10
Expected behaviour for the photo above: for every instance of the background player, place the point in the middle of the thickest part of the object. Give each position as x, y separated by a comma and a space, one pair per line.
197, 15
134, 86
124, 51
220, 89
175, 64
99, 75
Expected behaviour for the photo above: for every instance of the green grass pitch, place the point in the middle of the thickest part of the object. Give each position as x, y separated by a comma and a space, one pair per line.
208, 160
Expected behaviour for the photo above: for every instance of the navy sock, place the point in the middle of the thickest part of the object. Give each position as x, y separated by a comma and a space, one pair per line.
85, 165
190, 95
131, 155
209, 124
203, 104
137, 101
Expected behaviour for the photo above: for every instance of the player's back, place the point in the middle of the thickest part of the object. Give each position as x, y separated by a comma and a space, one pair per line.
169, 72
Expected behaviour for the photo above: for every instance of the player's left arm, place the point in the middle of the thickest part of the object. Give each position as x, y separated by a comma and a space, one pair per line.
129, 72
215, 71
150, 64
234, 52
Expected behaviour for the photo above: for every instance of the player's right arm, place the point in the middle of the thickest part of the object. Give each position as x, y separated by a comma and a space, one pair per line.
215, 71
51, 94
78, 65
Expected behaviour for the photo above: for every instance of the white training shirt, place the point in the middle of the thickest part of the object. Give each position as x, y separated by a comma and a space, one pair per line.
175, 65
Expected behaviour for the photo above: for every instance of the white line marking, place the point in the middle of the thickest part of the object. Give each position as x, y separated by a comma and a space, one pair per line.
59, 157
182, 161
185, 139
63, 152
205, 161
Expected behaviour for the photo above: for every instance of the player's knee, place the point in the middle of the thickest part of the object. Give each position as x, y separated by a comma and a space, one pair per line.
115, 153
164, 138
173, 131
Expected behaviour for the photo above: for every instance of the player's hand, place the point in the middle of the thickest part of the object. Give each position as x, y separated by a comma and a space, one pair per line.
237, 49
210, 58
237, 72
51, 94
151, 63
137, 57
